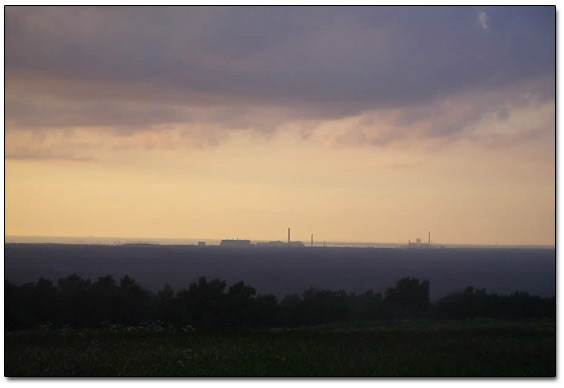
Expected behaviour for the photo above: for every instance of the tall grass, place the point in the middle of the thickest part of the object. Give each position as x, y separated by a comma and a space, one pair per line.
392, 348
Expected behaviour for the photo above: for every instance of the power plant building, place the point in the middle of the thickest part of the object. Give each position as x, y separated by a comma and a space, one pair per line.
230, 243
281, 244
420, 244
271, 244
235, 243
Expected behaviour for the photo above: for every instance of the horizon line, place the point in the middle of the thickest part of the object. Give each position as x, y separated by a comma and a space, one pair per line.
156, 241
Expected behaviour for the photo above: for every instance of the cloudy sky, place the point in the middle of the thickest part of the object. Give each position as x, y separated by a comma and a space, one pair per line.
355, 124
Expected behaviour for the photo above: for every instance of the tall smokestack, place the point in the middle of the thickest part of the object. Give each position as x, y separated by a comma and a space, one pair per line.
288, 235
312, 239
429, 237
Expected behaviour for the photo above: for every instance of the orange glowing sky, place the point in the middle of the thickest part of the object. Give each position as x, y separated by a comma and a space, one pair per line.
223, 123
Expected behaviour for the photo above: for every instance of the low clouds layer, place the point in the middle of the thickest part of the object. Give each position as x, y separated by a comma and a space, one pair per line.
426, 71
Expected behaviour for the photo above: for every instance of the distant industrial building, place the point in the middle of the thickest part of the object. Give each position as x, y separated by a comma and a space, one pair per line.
294, 244
201, 243
235, 243
230, 243
272, 244
281, 244
419, 244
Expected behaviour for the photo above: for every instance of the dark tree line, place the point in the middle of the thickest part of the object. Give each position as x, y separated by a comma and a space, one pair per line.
79, 302
478, 303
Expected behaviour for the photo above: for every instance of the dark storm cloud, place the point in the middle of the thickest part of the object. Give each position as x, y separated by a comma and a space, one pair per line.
51, 113
320, 62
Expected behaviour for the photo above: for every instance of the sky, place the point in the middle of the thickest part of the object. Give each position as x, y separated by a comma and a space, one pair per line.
367, 124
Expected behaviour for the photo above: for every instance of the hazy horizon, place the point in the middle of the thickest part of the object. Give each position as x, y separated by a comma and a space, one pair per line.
359, 124
105, 240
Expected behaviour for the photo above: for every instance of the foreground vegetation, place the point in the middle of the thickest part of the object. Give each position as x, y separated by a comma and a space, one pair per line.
79, 303
376, 348
82, 328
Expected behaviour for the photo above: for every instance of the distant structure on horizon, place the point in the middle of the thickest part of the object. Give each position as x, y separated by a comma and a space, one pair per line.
419, 244
235, 243
272, 244
294, 244
280, 244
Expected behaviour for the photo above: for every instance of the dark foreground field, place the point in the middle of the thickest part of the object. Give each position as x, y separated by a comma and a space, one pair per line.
393, 348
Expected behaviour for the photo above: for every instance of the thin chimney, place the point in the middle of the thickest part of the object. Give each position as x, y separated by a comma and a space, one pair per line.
288, 235
312, 239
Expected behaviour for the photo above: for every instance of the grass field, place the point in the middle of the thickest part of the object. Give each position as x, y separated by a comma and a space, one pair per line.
396, 348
